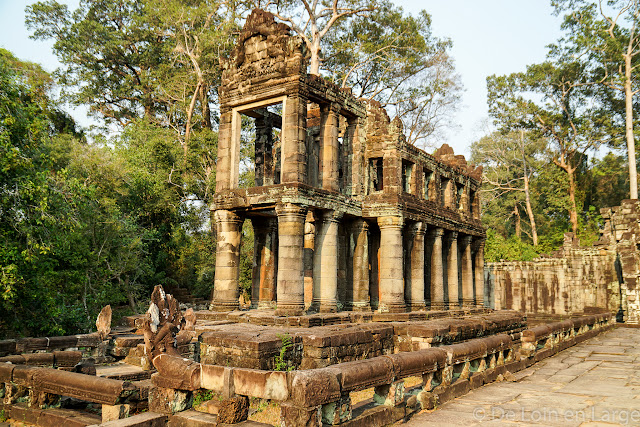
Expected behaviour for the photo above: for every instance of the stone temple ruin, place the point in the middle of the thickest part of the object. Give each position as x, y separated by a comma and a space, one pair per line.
346, 214
576, 277
368, 299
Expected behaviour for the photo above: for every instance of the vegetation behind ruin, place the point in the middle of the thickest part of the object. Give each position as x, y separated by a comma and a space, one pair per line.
97, 217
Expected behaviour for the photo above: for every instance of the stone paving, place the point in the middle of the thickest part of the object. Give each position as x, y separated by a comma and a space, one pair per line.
596, 383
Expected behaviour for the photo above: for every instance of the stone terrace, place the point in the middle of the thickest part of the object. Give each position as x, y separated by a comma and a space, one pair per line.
594, 383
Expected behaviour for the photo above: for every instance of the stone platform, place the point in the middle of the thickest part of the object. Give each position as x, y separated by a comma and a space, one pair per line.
258, 340
594, 383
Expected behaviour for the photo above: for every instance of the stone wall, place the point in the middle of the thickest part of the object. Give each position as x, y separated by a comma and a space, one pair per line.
576, 278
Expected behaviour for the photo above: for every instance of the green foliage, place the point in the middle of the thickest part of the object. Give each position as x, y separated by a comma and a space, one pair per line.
88, 225
201, 396
498, 248
394, 58
282, 363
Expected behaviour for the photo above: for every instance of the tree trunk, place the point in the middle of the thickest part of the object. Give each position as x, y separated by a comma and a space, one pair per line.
573, 213
516, 213
206, 111
631, 144
314, 63
532, 220
527, 193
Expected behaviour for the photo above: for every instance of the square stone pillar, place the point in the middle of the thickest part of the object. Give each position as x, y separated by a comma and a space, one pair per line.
479, 272
325, 262
224, 164
437, 273
294, 132
263, 281
467, 272
329, 148
452, 269
414, 287
290, 283
391, 265
360, 230
227, 274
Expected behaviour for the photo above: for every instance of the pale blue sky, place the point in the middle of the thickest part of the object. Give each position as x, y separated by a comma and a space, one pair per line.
489, 37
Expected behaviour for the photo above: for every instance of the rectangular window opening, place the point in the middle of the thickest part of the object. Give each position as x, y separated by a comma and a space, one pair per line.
407, 174
427, 179
260, 145
375, 174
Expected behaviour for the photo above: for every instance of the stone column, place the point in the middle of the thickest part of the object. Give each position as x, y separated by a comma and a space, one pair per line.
263, 282
228, 232
452, 270
224, 163
360, 230
479, 273
290, 284
325, 262
329, 148
414, 289
309, 249
437, 273
467, 272
293, 161
391, 265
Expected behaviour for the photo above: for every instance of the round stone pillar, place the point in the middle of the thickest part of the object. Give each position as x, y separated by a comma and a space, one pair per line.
452, 270
226, 281
467, 272
361, 298
414, 290
437, 273
479, 273
290, 287
391, 265
325, 263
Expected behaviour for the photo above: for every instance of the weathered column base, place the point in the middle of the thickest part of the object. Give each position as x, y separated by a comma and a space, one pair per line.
266, 305
385, 307
360, 306
468, 303
290, 310
439, 306
223, 306
416, 307
327, 308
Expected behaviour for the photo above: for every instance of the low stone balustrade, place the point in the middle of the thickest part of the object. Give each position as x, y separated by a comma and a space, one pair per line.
43, 388
57, 359
323, 395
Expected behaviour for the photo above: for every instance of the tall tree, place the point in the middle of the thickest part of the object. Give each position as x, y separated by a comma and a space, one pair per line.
151, 59
552, 99
109, 56
313, 19
606, 33
510, 162
395, 59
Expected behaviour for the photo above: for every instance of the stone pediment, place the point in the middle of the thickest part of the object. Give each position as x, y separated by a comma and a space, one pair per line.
265, 49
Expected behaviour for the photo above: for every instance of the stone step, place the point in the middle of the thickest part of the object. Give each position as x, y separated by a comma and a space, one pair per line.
20, 413
146, 419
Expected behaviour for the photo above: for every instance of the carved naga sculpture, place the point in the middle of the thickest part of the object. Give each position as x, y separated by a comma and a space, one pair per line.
165, 328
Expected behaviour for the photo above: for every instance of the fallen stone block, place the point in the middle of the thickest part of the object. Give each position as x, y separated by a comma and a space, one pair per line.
85, 387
